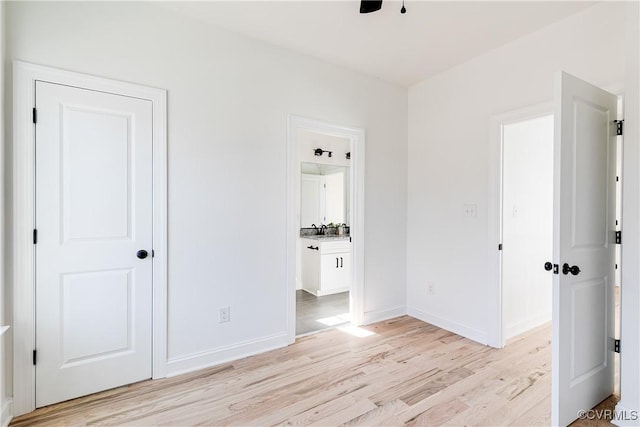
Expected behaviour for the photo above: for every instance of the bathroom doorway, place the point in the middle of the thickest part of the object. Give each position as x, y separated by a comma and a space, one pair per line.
323, 279
325, 219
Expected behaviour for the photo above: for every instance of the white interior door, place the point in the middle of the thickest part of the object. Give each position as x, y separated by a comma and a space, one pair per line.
584, 237
93, 215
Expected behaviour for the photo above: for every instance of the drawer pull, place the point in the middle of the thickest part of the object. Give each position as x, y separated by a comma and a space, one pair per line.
336, 262
341, 263
315, 248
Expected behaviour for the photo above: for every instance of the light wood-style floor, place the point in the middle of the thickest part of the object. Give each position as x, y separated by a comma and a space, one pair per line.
406, 372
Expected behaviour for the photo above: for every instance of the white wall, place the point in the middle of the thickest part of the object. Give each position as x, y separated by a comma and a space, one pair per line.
630, 288
228, 99
449, 144
527, 224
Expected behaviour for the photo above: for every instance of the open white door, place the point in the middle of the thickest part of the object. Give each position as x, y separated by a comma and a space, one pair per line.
584, 247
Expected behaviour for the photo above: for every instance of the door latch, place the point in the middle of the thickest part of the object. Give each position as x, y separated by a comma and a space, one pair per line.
549, 266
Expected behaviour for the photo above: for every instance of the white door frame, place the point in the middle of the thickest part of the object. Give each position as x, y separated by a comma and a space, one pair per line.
24, 77
496, 331
356, 137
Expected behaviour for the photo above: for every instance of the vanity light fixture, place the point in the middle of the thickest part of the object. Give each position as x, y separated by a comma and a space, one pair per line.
320, 152
368, 6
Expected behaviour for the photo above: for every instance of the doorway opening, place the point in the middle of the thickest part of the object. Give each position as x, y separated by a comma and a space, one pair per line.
323, 277
527, 223
325, 226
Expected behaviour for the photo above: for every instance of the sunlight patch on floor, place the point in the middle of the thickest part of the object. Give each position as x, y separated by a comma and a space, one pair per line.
356, 331
335, 320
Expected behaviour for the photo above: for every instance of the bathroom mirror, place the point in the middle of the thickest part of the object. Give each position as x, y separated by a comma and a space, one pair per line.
324, 194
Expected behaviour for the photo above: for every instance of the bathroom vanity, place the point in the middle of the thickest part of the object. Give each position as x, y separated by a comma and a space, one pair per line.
326, 264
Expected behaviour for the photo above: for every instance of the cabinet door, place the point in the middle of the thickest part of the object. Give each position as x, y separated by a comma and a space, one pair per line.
336, 272
310, 265
345, 270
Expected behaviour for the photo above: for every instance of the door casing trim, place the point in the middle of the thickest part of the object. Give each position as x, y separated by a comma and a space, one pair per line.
23, 282
496, 336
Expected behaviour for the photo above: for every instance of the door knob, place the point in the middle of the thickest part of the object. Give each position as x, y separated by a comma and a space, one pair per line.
142, 254
548, 266
575, 270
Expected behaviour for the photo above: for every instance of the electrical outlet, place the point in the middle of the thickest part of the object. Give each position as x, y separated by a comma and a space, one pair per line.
225, 314
470, 210
431, 288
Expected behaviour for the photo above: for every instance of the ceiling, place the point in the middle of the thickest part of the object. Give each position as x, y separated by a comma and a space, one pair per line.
403, 49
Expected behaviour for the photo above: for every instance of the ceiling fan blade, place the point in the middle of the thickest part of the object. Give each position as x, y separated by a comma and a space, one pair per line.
368, 6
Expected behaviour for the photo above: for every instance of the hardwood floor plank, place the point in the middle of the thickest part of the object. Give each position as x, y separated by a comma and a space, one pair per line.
357, 409
350, 406
439, 414
379, 415
524, 408
435, 384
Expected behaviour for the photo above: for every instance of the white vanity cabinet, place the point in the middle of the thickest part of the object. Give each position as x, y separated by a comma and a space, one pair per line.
326, 266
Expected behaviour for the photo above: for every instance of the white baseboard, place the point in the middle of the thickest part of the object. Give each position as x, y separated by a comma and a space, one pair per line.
6, 414
625, 417
384, 314
206, 359
523, 326
450, 325
321, 293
